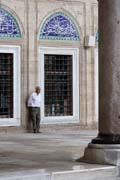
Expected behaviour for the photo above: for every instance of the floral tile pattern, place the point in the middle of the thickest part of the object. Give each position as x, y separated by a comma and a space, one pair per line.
8, 25
59, 27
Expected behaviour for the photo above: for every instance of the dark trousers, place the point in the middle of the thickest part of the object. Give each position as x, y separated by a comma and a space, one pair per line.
35, 117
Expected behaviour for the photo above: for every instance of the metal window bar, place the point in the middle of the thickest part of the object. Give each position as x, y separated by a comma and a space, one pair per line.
58, 85
6, 85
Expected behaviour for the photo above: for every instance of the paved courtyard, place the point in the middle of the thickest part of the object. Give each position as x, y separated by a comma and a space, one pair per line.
50, 151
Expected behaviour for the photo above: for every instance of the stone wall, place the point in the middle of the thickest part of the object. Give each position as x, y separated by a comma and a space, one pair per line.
30, 15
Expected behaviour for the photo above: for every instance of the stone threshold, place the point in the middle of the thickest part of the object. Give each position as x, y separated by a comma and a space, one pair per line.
101, 173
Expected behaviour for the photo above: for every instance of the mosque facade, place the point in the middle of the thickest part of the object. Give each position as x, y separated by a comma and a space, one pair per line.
53, 44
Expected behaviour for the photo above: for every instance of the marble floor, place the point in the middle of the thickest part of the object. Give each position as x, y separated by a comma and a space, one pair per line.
47, 152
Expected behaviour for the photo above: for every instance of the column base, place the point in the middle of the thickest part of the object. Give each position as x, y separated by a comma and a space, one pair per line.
101, 154
107, 139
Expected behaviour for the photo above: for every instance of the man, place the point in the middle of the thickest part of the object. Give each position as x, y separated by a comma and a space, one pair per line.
34, 102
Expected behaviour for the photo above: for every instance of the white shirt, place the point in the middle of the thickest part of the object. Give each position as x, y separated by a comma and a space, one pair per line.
34, 100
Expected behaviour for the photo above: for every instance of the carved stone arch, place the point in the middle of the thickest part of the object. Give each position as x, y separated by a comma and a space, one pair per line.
59, 25
10, 24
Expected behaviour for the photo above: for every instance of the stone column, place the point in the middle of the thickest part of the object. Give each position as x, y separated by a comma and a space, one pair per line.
105, 148
109, 72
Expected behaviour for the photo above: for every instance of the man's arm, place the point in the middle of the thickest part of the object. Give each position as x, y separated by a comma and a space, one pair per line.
29, 102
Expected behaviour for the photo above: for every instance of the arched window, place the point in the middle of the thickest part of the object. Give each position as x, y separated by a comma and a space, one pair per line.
59, 27
8, 25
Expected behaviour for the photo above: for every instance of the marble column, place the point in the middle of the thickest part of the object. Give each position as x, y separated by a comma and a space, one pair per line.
105, 148
109, 72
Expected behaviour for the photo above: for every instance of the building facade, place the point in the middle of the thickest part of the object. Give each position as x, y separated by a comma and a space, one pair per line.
52, 44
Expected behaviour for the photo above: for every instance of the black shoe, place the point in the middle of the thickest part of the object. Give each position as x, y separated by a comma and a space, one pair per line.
38, 131
34, 130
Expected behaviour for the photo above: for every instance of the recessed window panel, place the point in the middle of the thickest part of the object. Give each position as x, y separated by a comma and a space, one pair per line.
6, 85
58, 85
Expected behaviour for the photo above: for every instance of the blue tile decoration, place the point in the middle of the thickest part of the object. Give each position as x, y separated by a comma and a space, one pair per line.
8, 25
59, 27
97, 37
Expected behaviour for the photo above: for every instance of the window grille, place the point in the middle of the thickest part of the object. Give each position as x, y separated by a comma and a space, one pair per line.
6, 85
58, 85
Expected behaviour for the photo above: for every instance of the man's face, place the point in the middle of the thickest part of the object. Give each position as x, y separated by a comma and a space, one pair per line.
37, 90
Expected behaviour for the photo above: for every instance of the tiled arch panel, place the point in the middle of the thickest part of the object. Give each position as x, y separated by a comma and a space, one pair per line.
8, 25
59, 27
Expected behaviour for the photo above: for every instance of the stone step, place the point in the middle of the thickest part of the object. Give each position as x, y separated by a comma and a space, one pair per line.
103, 173
25, 175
